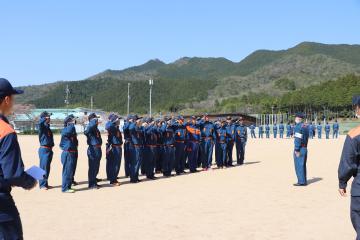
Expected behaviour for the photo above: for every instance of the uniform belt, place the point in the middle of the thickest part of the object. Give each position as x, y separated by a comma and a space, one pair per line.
97, 145
303, 145
194, 141
221, 142
180, 141
72, 151
46, 147
169, 145
137, 145
150, 145
116, 145
206, 138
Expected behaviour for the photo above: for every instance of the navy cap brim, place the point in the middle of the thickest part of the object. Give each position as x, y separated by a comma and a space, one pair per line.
17, 91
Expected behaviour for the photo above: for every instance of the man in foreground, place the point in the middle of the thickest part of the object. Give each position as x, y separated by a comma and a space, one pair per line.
11, 167
349, 167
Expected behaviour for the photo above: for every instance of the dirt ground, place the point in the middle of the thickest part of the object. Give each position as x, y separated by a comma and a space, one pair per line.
254, 201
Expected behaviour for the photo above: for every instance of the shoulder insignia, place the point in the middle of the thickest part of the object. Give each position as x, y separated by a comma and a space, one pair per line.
354, 132
5, 129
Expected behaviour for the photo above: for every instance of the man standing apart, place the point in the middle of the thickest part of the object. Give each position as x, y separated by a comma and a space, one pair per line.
301, 136
349, 167
94, 149
46, 140
11, 166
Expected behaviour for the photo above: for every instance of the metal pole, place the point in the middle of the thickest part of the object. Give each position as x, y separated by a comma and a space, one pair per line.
151, 82
91, 103
128, 110
67, 91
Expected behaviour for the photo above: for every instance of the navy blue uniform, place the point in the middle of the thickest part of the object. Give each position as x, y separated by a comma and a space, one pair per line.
137, 141
180, 148
94, 152
349, 167
11, 174
281, 130
252, 131
267, 131
275, 130
327, 130
288, 130
113, 151
240, 140
150, 150
208, 136
168, 162
230, 128
335, 130
69, 146
221, 140
46, 140
193, 135
128, 148
261, 131
319, 130
301, 136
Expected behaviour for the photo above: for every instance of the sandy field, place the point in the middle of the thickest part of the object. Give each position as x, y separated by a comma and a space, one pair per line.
254, 201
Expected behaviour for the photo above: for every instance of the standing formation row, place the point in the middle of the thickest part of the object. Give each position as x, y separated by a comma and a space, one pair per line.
150, 146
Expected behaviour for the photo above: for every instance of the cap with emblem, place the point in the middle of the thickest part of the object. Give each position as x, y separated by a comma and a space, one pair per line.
6, 89
69, 119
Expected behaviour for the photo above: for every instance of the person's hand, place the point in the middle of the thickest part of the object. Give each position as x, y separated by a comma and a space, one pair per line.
297, 153
342, 192
29, 183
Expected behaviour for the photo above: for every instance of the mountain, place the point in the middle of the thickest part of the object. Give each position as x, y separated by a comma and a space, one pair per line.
200, 84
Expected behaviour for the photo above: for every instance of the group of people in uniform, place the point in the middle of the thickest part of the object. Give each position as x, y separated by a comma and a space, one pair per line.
150, 146
288, 130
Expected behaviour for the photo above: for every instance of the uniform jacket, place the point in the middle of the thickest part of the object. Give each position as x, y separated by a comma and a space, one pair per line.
241, 133
92, 133
69, 141
301, 136
207, 130
349, 162
114, 134
11, 170
137, 134
46, 137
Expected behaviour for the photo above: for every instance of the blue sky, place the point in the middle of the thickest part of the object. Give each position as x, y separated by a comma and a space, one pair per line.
45, 41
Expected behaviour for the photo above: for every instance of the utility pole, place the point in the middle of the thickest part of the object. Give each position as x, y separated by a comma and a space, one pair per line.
91, 103
151, 83
67, 93
128, 100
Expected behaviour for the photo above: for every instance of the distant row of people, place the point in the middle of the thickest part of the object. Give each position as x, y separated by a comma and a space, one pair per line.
288, 130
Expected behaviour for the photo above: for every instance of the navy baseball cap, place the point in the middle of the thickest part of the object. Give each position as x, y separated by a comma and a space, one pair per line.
45, 114
113, 118
356, 100
69, 118
299, 115
6, 89
180, 117
92, 115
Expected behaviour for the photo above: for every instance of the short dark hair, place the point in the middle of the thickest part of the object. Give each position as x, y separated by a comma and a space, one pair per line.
2, 98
